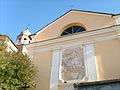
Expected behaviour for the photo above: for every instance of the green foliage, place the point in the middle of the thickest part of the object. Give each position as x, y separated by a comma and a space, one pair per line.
16, 69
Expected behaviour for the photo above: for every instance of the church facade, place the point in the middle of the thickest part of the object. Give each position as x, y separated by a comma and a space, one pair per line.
80, 46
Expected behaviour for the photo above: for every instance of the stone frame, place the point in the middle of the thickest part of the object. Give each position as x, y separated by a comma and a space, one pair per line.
90, 65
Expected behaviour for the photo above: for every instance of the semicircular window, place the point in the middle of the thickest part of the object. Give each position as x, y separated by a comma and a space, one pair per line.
73, 29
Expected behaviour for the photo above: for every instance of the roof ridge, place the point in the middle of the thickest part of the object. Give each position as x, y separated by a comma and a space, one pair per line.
70, 11
93, 12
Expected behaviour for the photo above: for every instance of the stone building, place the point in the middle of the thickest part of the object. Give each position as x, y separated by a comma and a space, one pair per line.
80, 46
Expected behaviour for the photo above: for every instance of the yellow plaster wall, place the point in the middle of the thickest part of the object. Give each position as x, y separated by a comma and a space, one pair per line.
43, 62
90, 21
108, 59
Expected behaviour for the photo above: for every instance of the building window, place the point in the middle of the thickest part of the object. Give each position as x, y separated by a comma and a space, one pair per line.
25, 38
73, 29
19, 39
73, 66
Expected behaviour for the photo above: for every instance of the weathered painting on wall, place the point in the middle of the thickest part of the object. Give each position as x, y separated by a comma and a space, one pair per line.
73, 66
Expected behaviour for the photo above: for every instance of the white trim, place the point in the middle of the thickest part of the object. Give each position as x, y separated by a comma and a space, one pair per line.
55, 70
85, 61
60, 66
72, 44
81, 35
91, 63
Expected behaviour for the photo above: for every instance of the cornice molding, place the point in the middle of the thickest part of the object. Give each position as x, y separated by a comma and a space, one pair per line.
72, 44
81, 35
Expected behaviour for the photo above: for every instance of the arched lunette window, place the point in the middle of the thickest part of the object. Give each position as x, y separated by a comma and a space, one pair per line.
73, 29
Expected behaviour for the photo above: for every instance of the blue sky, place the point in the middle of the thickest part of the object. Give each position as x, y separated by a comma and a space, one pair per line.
15, 15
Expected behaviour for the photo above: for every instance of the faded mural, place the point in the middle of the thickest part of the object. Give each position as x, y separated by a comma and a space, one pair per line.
73, 67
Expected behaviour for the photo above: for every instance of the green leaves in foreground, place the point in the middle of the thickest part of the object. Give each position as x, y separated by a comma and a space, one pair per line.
16, 71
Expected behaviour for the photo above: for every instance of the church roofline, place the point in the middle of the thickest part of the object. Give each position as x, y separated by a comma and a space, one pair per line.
110, 14
53, 21
93, 12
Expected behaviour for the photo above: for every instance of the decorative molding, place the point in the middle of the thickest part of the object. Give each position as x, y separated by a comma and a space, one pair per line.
81, 35
90, 67
60, 66
90, 63
54, 78
72, 44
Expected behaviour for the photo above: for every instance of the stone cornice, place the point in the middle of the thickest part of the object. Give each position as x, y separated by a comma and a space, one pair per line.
81, 35
72, 44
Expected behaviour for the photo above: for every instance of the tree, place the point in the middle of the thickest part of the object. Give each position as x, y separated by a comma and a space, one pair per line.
16, 69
